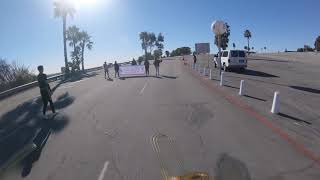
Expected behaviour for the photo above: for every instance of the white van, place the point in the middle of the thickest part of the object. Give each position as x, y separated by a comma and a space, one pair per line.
232, 59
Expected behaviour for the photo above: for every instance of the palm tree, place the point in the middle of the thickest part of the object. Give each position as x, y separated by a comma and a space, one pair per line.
73, 35
234, 45
85, 42
247, 34
63, 9
317, 44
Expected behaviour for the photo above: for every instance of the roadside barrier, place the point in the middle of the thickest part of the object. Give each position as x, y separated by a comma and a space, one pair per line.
275, 109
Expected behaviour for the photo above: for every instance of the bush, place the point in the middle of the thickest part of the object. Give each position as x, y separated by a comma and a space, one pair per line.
14, 74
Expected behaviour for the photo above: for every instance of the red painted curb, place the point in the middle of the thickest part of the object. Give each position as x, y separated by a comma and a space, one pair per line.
284, 135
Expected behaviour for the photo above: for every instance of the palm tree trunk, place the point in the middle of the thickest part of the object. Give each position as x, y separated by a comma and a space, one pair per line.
65, 43
248, 45
82, 58
145, 52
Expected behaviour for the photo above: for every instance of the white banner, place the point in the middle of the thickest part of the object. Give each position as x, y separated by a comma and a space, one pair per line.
131, 71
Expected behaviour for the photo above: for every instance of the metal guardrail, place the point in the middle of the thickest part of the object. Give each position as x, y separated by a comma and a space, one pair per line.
24, 87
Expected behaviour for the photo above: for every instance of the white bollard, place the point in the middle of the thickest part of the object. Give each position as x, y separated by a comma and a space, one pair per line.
221, 79
210, 73
204, 71
276, 103
241, 88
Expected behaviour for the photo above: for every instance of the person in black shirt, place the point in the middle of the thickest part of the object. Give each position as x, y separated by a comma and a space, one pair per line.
194, 60
116, 69
45, 91
134, 62
146, 66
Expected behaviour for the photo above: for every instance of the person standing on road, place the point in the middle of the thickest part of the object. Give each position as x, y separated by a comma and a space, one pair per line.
157, 66
116, 69
45, 91
106, 70
194, 60
146, 66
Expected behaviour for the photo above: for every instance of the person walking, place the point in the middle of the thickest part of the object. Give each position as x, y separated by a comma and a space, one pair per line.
106, 70
45, 91
157, 66
194, 60
146, 66
116, 69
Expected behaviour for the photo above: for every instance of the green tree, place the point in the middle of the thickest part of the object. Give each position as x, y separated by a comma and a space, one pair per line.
181, 51
62, 9
75, 57
144, 37
224, 38
73, 36
234, 45
157, 53
85, 42
247, 34
167, 53
159, 43
317, 44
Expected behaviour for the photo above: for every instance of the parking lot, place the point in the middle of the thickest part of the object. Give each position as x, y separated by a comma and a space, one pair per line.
294, 75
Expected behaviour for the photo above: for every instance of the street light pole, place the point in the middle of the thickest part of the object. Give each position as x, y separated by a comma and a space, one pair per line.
219, 54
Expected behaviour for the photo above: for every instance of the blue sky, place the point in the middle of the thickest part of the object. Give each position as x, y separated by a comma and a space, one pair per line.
31, 35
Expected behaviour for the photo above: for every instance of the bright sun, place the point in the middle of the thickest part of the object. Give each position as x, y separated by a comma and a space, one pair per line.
84, 3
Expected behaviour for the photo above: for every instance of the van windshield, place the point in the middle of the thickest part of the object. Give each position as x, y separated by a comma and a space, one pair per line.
234, 53
242, 54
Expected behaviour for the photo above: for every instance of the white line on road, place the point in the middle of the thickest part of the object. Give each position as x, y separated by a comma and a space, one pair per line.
104, 170
145, 85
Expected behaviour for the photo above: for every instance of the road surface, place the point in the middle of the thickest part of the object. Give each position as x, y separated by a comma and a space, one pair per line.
104, 130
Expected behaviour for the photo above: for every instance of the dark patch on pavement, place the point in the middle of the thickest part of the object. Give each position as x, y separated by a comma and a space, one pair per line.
228, 167
260, 99
199, 115
310, 90
294, 118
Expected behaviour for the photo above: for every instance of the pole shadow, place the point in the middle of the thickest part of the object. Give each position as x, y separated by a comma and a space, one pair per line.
306, 89
260, 99
251, 72
294, 118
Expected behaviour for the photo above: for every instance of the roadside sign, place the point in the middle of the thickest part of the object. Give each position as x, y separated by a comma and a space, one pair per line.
126, 71
202, 48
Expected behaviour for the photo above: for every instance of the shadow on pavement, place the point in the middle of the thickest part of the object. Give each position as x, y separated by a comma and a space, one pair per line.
311, 90
77, 76
255, 98
54, 124
273, 60
158, 77
169, 77
294, 118
256, 73
25, 124
109, 79
231, 87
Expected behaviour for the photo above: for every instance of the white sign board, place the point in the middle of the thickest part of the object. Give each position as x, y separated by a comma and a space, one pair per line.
126, 71
202, 48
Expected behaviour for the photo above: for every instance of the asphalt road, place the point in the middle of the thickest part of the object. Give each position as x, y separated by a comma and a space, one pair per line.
106, 129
